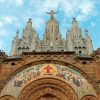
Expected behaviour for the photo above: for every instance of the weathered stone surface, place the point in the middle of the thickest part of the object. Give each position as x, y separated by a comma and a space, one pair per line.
52, 39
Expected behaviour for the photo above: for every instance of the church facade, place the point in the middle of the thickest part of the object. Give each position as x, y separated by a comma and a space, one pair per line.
52, 68
52, 39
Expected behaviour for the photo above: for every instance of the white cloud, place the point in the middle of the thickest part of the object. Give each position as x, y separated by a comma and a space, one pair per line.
2, 1
19, 2
93, 24
12, 2
51, 4
81, 9
1, 24
3, 33
8, 19
38, 22
86, 7
86, 10
69, 8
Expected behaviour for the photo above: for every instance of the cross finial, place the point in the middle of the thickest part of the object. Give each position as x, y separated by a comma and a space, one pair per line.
51, 14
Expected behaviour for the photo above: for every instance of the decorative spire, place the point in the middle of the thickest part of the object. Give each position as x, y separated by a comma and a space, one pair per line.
29, 23
74, 22
86, 32
37, 36
24, 34
29, 20
17, 32
68, 34
74, 19
68, 30
52, 14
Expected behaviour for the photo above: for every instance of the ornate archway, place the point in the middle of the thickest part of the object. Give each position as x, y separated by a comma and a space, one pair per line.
70, 76
7, 97
48, 88
89, 97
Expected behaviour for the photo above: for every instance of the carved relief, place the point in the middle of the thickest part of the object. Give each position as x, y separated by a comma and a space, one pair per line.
48, 86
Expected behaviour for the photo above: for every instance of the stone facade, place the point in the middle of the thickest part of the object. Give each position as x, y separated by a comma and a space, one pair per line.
52, 39
27, 76
52, 68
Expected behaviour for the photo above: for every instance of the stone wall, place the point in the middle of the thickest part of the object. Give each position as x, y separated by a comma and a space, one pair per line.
87, 66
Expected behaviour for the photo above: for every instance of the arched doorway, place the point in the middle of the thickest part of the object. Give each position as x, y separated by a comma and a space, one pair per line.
48, 88
73, 85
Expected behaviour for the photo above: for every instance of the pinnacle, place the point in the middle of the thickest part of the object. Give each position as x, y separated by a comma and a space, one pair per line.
29, 20
74, 18
86, 30
74, 22
68, 30
17, 31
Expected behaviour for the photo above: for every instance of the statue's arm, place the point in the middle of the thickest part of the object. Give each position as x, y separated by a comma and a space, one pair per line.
48, 13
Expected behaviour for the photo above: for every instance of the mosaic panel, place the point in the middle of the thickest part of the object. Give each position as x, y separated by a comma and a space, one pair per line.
71, 76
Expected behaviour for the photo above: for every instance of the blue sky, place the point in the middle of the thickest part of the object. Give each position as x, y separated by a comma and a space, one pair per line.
14, 15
